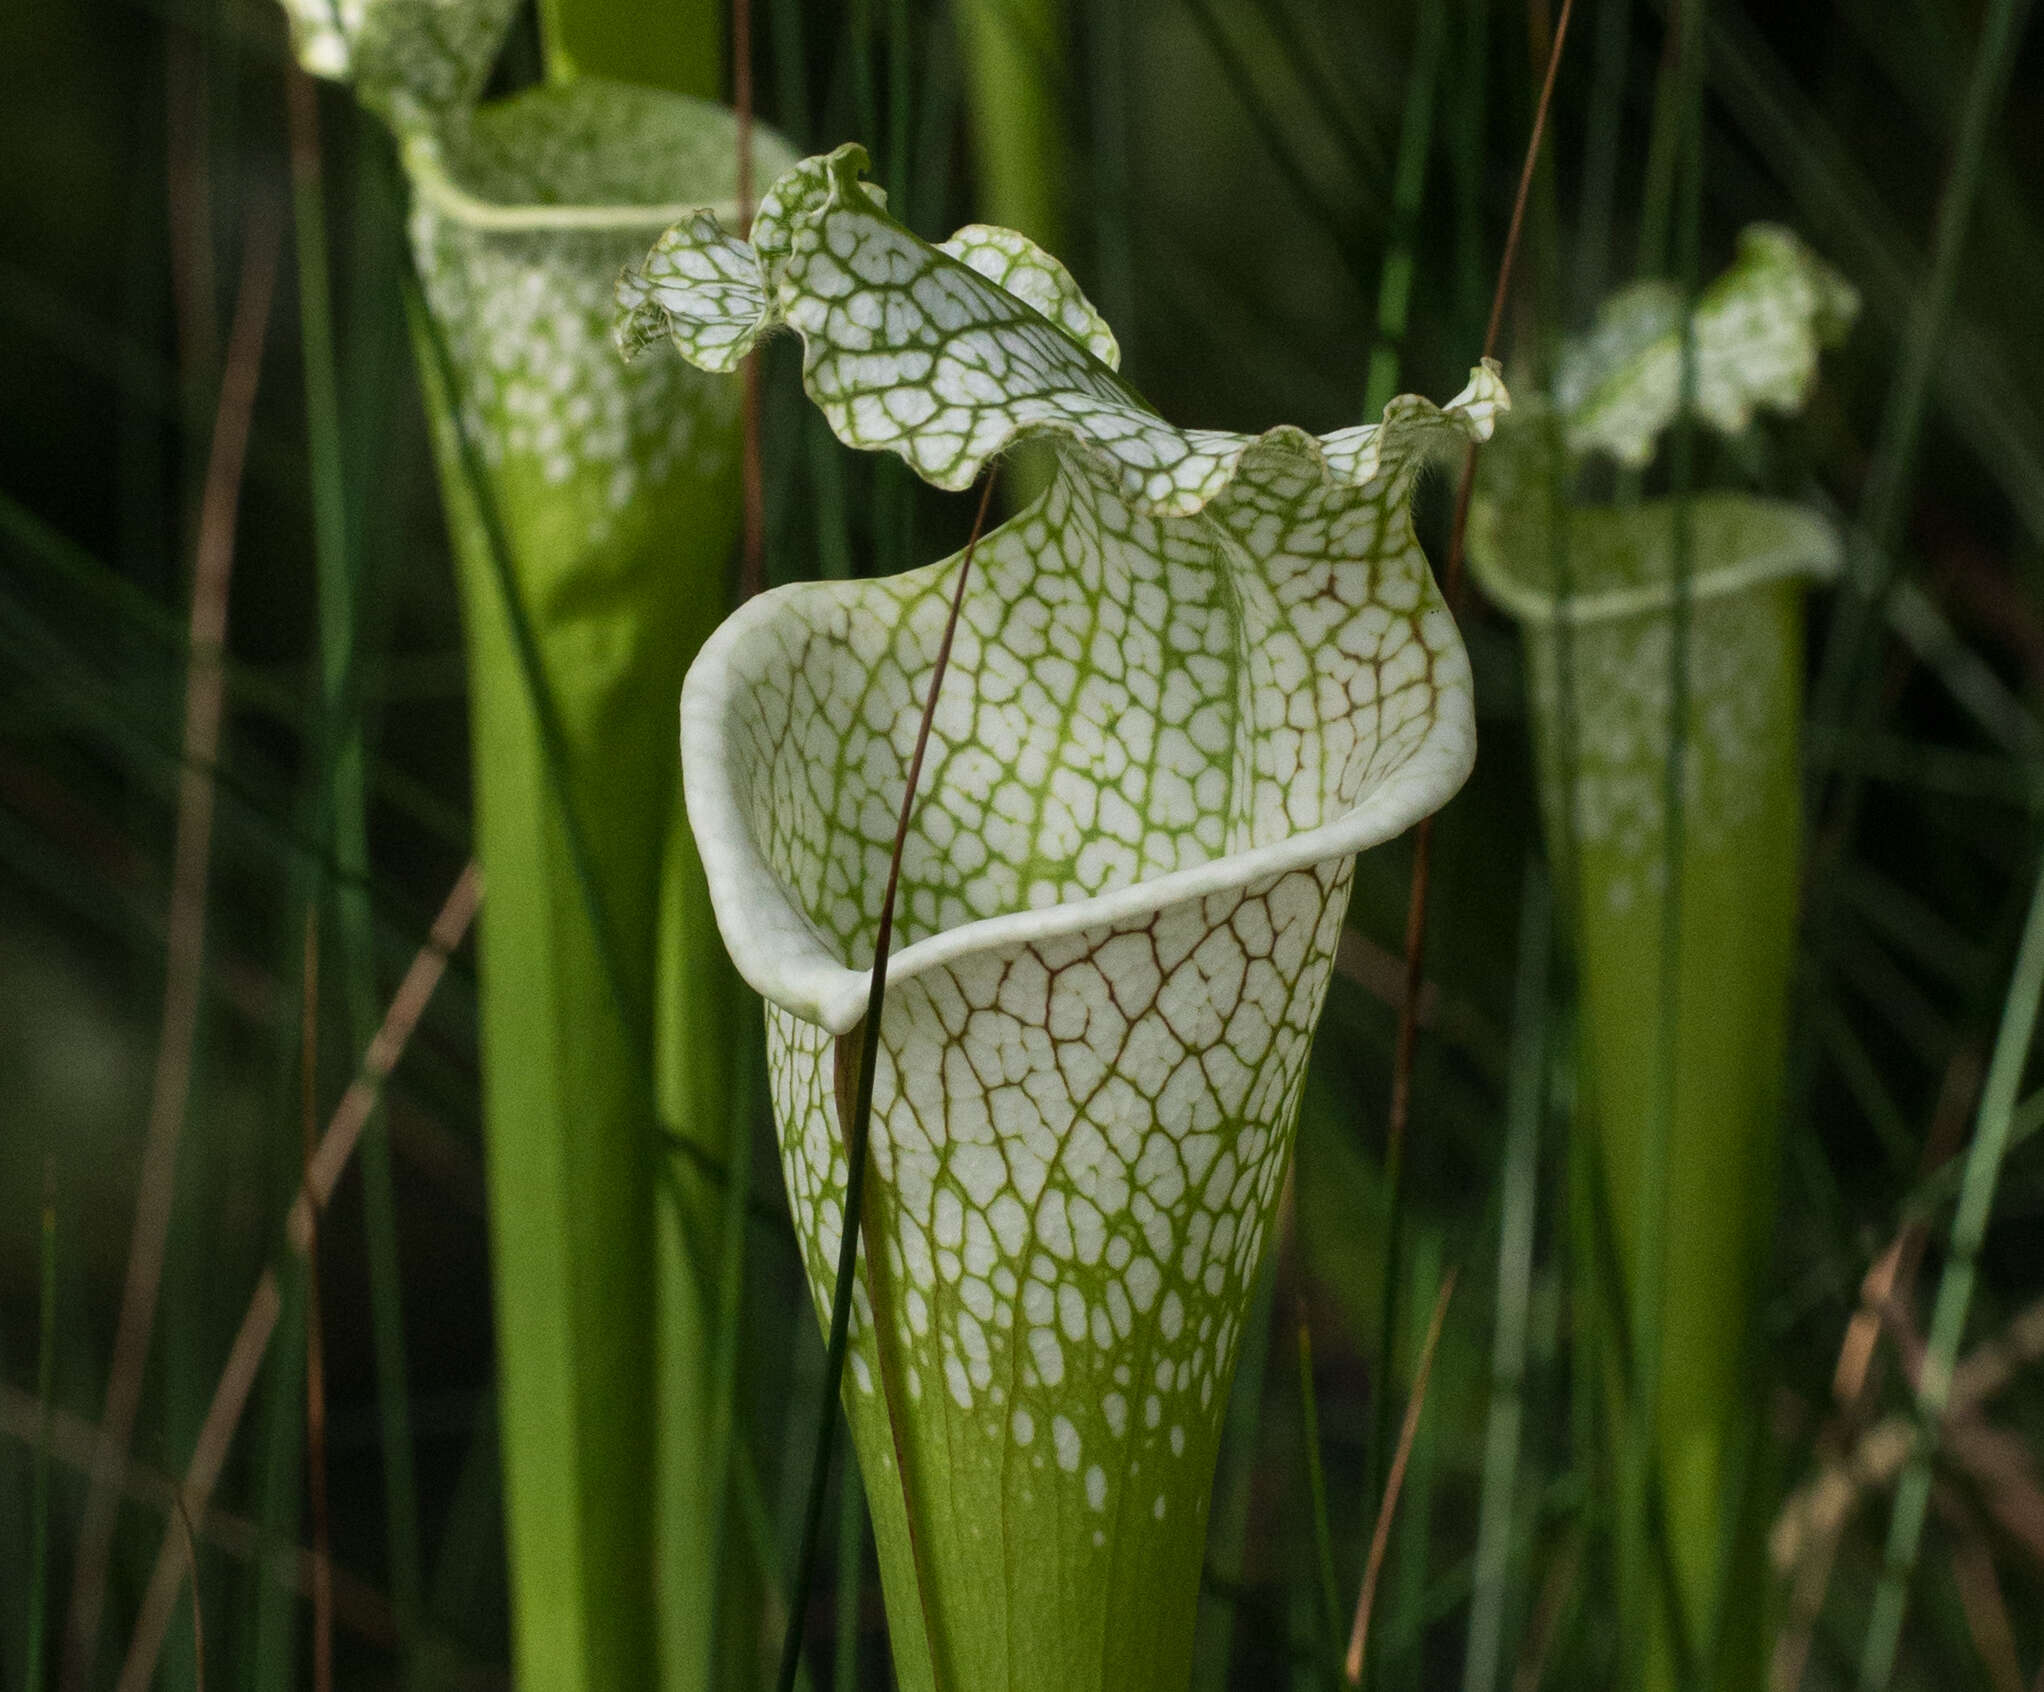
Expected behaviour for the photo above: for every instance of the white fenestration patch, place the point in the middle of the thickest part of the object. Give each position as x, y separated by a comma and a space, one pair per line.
524, 211
1739, 668
1066, 1438
571, 432
409, 59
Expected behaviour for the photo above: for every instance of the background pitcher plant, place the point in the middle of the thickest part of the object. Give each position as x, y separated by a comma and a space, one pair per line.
1665, 644
593, 508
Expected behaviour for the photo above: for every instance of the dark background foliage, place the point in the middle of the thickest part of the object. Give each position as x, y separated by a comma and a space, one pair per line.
1228, 172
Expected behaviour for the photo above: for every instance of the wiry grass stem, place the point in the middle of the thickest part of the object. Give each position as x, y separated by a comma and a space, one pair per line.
857, 1132
1485, 1637
1387, 1509
851, 1582
1415, 142
1406, 1041
1955, 1295
1316, 1486
45, 1380
323, 1171
1641, 1504
213, 566
315, 1339
342, 802
1845, 691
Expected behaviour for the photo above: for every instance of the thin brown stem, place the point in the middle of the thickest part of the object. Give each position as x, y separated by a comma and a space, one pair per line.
876, 1290
1980, 1595
322, 1173
1887, 1285
922, 746
212, 569
189, 203
184, 1520
856, 1062
1380, 1538
1398, 1115
1556, 1588
358, 1606
1526, 170
1451, 585
1380, 972
1805, 1537
315, 1344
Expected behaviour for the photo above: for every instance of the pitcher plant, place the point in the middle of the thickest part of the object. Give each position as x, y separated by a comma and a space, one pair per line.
593, 509
1607, 596
1191, 680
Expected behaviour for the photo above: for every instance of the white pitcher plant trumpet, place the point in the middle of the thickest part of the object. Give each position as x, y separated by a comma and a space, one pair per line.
1189, 684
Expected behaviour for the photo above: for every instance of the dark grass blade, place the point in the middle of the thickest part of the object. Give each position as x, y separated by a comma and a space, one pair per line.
1520, 1180
214, 551
1234, 1482
342, 798
1277, 144
258, 1325
851, 1579
1984, 1162
66, 565
1845, 693
1641, 1543
39, 1499
1316, 1492
726, 1382
1399, 1657
1467, 139
1332, 103
1387, 1507
1114, 247
1604, 129
1398, 1115
1416, 135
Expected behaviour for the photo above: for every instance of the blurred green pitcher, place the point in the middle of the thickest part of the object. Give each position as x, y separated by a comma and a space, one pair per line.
1685, 1132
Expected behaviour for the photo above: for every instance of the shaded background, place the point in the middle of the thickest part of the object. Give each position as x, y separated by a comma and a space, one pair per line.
1228, 205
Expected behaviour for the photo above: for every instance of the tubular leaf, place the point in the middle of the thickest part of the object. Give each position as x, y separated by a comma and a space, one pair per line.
592, 507
1189, 682
1664, 646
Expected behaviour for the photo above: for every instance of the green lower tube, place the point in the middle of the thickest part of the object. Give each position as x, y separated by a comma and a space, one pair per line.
593, 509
1737, 895
1685, 1133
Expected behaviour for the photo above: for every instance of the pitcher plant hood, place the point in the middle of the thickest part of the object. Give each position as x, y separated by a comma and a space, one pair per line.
1202, 659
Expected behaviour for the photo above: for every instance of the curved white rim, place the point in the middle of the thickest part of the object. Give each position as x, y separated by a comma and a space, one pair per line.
778, 952
430, 181
1821, 557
